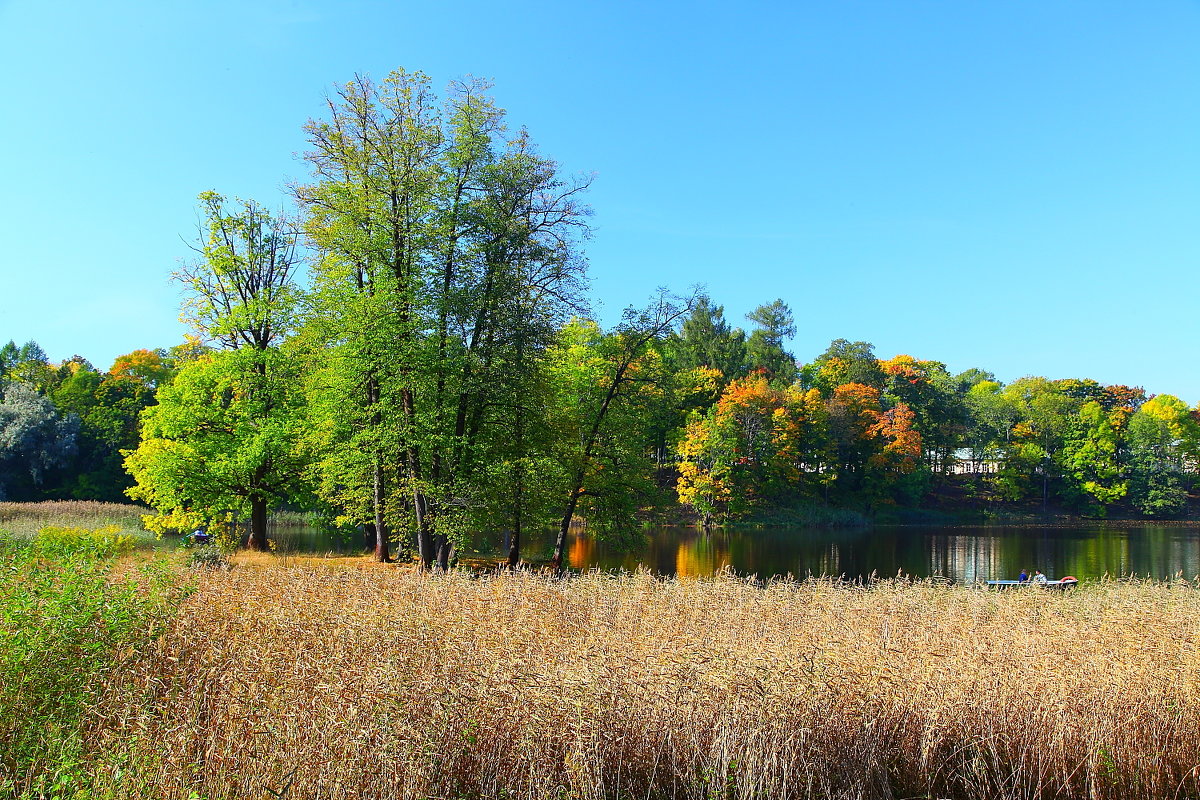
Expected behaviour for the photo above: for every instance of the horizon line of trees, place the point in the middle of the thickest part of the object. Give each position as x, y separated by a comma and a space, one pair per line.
438, 373
846, 429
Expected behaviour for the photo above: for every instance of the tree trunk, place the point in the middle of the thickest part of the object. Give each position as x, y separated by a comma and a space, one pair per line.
565, 526
442, 549
258, 524
581, 474
514, 543
425, 548
381, 539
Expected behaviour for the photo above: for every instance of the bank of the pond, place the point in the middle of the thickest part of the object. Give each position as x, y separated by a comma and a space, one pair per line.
298, 678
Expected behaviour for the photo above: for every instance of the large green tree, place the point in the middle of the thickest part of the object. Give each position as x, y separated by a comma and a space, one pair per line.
1162, 441
224, 434
447, 258
34, 440
706, 339
220, 443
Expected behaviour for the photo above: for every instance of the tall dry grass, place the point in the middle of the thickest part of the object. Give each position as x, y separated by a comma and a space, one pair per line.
305, 682
26, 519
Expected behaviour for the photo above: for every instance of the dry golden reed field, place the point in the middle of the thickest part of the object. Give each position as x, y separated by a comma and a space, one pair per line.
302, 681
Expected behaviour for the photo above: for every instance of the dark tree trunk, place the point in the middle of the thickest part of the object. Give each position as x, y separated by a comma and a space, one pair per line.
258, 524
381, 539
442, 548
425, 545
514, 544
565, 526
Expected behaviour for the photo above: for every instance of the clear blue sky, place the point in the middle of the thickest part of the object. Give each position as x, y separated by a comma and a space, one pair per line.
1005, 184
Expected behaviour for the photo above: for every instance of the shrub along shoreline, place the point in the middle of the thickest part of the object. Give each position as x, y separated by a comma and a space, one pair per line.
74, 611
287, 678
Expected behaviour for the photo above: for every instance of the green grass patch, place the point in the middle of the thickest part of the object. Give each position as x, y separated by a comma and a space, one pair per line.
69, 625
57, 542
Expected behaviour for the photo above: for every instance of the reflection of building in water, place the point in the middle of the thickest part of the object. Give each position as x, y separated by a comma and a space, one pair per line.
966, 559
579, 553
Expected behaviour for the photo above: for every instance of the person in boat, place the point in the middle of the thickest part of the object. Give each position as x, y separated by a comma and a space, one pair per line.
1038, 577
1023, 577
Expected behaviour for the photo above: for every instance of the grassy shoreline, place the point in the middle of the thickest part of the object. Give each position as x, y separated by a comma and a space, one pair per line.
371, 681
304, 677
25, 519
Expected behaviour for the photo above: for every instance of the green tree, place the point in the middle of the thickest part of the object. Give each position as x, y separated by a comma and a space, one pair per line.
109, 406
27, 364
220, 439
447, 258
1091, 458
34, 440
844, 362
972, 377
764, 348
936, 401
604, 462
705, 339
991, 416
1163, 438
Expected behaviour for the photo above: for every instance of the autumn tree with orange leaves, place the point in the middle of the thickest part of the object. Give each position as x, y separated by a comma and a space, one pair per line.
758, 443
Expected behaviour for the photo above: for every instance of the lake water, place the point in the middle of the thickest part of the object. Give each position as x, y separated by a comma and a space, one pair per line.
963, 554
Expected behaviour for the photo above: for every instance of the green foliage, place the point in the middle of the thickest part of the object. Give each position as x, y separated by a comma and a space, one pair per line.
68, 626
65, 424
59, 542
764, 348
1160, 442
241, 292
223, 434
428, 383
34, 440
844, 362
1091, 459
608, 387
446, 263
209, 556
706, 340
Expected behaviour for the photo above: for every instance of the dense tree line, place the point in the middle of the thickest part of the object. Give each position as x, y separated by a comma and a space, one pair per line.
63, 425
860, 431
411, 355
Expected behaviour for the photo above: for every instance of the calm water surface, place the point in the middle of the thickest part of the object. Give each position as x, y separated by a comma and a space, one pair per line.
961, 554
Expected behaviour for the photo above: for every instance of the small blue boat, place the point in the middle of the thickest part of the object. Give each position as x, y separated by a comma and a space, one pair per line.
1068, 582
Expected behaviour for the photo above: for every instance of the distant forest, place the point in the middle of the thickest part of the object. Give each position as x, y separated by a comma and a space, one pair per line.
439, 373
